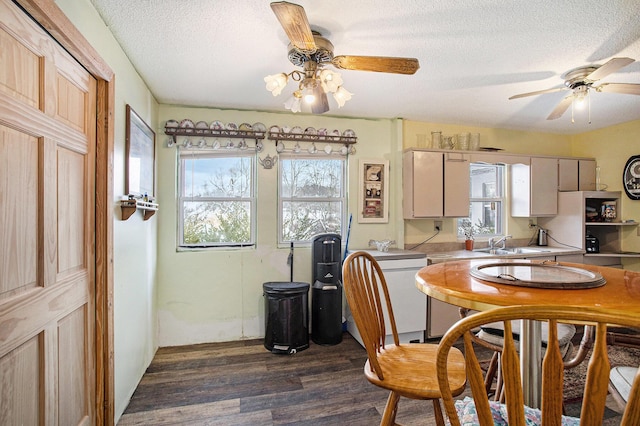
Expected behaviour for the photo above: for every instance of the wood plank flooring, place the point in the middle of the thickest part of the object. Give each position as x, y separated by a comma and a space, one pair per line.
242, 383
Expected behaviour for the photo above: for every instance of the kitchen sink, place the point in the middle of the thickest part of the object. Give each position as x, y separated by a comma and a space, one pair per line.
512, 250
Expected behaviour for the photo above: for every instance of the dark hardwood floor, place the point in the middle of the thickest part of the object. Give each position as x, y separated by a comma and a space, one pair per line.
241, 383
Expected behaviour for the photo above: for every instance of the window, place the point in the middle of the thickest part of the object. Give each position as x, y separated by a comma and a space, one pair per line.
312, 196
487, 200
217, 205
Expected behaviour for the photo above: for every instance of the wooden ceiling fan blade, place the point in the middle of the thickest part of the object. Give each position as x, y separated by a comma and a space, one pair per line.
626, 88
294, 21
377, 64
611, 66
561, 108
538, 92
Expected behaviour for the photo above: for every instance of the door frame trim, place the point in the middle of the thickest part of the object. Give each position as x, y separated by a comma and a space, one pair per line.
52, 19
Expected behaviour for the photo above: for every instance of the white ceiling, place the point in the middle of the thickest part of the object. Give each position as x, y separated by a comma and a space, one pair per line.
474, 55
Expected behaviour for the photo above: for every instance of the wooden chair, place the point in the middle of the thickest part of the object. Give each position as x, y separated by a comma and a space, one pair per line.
407, 370
597, 376
485, 337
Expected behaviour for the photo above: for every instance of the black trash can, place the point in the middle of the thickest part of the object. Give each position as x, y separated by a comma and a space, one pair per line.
286, 317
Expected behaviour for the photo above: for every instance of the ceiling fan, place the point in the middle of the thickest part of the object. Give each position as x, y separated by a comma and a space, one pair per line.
580, 80
312, 52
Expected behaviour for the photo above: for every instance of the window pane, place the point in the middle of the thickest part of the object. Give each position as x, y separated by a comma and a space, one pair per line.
485, 181
216, 176
486, 191
303, 220
486, 217
207, 223
308, 178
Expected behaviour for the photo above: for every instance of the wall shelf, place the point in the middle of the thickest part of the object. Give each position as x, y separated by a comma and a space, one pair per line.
213, 133
130, 206
301, 137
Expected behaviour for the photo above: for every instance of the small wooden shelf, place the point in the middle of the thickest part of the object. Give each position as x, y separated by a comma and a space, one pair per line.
130, 206
611, 223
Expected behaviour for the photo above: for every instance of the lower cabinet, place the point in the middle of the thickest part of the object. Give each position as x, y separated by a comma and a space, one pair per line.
441, 316
409, 305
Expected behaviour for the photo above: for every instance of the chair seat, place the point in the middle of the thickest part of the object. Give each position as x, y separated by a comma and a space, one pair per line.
468, 416
621, 379
494, 333
410, 370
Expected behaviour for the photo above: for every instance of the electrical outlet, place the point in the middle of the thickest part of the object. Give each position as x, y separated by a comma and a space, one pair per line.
437, 225
531, 224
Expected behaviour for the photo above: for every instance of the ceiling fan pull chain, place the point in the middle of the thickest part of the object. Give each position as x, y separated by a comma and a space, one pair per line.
589, 105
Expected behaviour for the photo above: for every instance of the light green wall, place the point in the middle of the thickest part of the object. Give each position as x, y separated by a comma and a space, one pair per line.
135, 240
216, 295
612, 147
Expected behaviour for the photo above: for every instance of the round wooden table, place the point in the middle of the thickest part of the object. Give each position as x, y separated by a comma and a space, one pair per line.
452, 282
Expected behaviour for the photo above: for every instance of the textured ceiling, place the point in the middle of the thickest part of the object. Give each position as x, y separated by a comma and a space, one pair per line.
474, 55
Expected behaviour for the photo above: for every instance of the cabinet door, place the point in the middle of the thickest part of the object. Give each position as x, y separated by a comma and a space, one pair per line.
423, 184
456, 184
587, 175
567, 174
544, 186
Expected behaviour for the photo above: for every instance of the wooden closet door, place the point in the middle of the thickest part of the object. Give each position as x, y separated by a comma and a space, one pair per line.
47, 283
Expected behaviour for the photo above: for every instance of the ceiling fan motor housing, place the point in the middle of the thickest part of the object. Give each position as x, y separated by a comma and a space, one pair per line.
322, 55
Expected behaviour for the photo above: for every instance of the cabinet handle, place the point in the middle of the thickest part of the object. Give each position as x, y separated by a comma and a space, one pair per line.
460, 160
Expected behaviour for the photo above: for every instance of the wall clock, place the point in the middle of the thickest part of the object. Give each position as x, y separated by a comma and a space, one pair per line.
631, 177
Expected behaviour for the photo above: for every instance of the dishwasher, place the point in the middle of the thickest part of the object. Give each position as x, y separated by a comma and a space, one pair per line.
409, 304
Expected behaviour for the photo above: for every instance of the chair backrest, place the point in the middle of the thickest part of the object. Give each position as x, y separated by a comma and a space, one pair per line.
597, 376
369, 302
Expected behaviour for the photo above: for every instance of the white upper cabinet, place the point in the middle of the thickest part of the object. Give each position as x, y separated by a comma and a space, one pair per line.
576, 174
435, 184
534, 188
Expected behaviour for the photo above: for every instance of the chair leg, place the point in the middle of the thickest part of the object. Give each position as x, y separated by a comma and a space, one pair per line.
390, 410
437, 413
491, 372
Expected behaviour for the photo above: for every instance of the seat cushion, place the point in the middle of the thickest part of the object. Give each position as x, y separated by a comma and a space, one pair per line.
494, 332
621, 378
468, 416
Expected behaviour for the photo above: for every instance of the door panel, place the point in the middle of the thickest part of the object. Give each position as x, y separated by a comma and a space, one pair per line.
19, 379
18, 227
47, 214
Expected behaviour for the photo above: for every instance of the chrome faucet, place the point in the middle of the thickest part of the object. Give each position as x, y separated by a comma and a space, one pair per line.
493, 243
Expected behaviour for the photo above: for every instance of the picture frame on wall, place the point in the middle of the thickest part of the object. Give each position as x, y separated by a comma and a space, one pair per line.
140, 152
373, 191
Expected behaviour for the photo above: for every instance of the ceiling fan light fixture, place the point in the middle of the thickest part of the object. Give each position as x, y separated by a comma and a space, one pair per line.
580, 97
276, 82
294, 102
330, 80
341, 96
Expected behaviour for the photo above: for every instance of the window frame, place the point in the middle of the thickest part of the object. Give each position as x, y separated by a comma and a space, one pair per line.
184, 154
343, 199
501, 188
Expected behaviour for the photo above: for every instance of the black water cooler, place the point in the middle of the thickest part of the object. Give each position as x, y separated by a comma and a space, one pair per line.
326, 298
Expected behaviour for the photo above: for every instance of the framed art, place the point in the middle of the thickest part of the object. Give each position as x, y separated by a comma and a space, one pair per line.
140, 151
373, 193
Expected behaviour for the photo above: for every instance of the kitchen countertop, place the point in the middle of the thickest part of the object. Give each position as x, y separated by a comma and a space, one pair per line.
448, 256
394, 254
